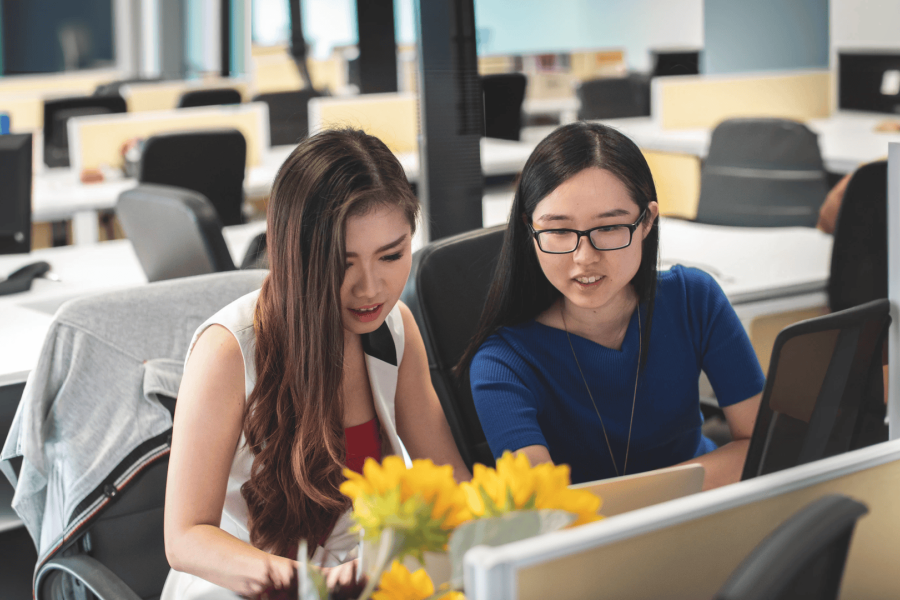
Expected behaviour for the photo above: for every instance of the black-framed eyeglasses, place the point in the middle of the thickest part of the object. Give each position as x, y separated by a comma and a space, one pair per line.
606, 237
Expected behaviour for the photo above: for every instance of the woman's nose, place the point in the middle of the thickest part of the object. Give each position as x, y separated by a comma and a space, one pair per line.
367, 284
585, 252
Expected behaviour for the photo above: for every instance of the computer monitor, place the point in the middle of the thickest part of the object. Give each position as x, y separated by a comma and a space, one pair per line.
869, 81
15, 193
675, 62
58, 112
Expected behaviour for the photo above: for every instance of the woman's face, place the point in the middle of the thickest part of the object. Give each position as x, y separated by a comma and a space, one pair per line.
379, 257
590, 278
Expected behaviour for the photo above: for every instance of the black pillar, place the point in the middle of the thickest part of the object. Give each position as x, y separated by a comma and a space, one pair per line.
450, 180
225, 37
377, 47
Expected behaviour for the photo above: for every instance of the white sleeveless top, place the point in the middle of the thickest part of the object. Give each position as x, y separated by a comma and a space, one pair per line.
383, 352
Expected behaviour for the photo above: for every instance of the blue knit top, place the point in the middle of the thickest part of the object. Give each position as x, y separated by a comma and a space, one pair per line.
528, 391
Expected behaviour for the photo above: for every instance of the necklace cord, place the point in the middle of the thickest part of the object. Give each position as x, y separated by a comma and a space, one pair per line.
591, 396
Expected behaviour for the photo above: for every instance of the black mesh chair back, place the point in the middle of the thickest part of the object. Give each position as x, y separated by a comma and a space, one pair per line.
614, 97
762, 173
212, 97
859, 255
211, 163
824, 393
288, 115
57, 114
803, 558
118, 551
175, 232
446, 292
504, 94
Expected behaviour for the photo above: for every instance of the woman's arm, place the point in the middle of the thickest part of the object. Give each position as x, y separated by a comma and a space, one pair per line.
724, 465
206, 431
421, 422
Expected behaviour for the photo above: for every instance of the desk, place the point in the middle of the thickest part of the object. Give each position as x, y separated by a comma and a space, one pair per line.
59, 194
846, 139
25, 317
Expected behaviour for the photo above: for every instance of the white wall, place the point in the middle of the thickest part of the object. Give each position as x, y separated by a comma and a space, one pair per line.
858, 24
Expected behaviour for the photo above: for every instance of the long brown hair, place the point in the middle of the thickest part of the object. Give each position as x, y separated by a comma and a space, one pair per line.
293, 421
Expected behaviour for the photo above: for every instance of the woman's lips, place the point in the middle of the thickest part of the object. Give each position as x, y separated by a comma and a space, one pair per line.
587, 286
365, 315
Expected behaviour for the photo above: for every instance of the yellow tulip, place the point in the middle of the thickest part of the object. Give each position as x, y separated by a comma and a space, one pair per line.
399, 584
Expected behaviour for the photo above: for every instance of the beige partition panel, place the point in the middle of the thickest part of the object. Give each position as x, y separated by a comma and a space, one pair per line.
764, 329
25, 110
692, 560
705, 101
677, 180
97, 140
391, 117
598, 63
493, 65
58, 84
164, 95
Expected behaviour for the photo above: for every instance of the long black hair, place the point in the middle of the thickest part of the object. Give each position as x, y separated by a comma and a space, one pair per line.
520, 290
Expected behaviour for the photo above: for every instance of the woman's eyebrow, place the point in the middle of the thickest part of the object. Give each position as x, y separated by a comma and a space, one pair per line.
552, 217
386, 247
616, 212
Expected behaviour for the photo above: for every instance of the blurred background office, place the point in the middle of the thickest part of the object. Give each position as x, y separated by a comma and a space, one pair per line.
141, 139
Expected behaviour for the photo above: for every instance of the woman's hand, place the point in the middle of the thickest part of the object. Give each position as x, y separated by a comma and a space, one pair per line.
341, 575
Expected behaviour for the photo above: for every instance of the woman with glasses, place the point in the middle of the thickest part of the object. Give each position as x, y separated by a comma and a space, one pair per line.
586, 355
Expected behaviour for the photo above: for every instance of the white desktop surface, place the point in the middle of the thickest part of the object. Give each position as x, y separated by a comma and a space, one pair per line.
84, 269
59, 194
846, 139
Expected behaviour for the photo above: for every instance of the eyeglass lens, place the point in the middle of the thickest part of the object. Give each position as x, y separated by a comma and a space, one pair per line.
566, 241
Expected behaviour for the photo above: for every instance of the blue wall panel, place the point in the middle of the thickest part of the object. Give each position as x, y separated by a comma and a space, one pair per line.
764, 35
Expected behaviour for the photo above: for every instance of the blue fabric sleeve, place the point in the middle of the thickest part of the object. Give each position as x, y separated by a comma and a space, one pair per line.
725, 352
503, 390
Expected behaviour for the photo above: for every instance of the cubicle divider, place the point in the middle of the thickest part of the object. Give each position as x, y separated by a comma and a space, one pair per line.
274, 70
703, 101
164, 95
687, 548
73, 82
677, 179
97, 140
394, 118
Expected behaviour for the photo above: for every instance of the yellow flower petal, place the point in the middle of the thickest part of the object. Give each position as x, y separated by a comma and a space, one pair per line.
399, 584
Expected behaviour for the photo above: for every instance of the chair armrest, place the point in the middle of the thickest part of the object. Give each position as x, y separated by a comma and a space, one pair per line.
102, 582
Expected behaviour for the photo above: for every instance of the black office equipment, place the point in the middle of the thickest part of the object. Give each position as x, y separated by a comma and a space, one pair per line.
824, 393
859, 270
209, 162
175, 232
675, 62
15, 193
614, 97
803, 558
762, 173
213, 97
377, 46
57, 114
446, 292
504, 94
869, 81
288, 115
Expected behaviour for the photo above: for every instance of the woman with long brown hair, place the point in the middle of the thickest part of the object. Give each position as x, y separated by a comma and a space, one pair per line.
320, 368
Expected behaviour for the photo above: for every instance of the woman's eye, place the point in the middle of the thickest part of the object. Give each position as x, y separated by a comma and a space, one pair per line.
392, 257
347, 265
557, 232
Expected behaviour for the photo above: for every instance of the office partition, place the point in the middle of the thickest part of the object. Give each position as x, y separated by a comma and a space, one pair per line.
688, 547
893, 227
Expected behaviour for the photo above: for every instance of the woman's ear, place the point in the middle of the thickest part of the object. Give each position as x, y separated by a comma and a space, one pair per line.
525, 218
652, 213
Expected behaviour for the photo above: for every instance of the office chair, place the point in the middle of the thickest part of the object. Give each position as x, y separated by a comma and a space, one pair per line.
803, 558
57, 114
503, 97
257, 256
288, 115
213, 97
446, 292
209, 162
762, 173
614, 97
175, 232
824, 393
859, 255
112, 543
